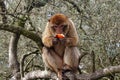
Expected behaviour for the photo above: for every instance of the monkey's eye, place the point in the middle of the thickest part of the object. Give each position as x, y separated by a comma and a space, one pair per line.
54, 26
63, 26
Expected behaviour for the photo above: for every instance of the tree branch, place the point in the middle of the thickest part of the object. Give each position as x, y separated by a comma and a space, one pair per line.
74, 5
13, 59
99, 73
91, 76
24, 32
38, 74
22, 61
3, 10
82, 55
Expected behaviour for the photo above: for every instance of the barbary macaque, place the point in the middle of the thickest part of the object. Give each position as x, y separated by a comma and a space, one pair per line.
60, 39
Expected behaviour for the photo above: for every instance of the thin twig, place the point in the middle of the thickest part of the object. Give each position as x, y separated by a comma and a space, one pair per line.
29, 62
22, 62
17, 6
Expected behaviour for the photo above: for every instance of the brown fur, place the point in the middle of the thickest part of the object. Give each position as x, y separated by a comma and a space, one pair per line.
64, 53
58, 19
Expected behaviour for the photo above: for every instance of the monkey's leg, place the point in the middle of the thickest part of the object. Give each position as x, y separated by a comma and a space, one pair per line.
52, 61
71, 58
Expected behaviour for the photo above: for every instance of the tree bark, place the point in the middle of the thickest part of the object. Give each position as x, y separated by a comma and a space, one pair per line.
17, 29
3, 10
22, 62
13, 59
91, 76
99, 73
38, 74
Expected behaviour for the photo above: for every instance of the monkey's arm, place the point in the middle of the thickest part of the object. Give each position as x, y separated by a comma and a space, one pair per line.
72, 37
71, 41
47, 37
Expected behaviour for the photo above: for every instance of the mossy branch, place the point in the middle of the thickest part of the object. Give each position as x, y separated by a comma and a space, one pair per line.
17, 29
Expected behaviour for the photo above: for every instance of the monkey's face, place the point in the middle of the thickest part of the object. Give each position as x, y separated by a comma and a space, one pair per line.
59, 24
59, 29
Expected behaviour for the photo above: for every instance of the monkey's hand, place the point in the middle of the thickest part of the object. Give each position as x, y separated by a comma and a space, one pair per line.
63, 41
55, 41
49, 41
68, 41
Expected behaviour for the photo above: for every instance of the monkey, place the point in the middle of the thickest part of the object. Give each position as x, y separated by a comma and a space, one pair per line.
60, 53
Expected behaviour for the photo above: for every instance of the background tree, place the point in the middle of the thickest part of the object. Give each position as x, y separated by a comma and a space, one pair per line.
23, 21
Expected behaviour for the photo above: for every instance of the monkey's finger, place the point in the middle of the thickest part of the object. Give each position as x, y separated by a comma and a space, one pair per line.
55, 41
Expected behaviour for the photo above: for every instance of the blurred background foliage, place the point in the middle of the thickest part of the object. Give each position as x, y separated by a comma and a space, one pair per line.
97, 23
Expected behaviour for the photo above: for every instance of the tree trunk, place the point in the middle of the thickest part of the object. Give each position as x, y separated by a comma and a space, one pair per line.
3, 10
13, 62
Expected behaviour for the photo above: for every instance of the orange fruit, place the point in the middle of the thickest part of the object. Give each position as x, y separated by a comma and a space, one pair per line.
60, 36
